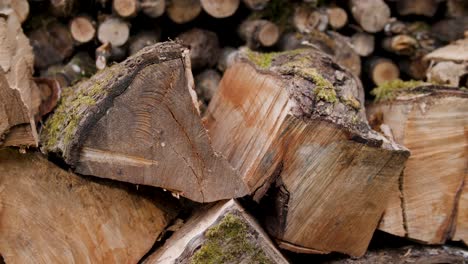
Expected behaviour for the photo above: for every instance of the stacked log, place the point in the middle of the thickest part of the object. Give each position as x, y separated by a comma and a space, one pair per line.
228, 131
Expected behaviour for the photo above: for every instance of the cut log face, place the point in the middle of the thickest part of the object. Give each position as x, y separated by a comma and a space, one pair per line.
222, 233
82, 29
49, 215
296, 120
431, 121
138, 121
220, 8
183, 11
372, 15
19, 96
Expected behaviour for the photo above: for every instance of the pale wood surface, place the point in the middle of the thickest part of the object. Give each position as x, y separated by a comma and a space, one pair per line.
183, 11
433, 127
48, 215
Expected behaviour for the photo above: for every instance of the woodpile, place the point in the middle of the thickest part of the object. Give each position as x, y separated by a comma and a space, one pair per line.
229, 131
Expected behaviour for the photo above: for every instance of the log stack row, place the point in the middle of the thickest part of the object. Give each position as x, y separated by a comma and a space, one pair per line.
227, 131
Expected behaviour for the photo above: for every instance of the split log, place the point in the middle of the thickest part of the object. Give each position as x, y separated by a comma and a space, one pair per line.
363, 43
114, 30
256, 5
297, 124
431, 121
137, 121
52, 43
259, 32
183, 11
337, 17
19, 7
372, 15
449, 64
204, 47
19, 96
79, 67
82, 29
53, 216
63, 8
221, 233
457, 8
226, 58
332, 43
307, 19
125, 8
220, 8
153, 8
381, 70
417, 7
143, 39
206, 84
410, 254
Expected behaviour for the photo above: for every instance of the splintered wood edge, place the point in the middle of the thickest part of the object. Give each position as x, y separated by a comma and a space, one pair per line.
422, 91
112, 86
186, 239
361, 132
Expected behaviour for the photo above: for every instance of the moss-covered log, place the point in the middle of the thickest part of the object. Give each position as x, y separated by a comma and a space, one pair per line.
138, 121
220, 233
429, 202
297, 123
49, 215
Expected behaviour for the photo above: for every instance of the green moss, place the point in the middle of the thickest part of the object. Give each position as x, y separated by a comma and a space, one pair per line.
388, 90
262, 60
351, 102
229, 242
63, 123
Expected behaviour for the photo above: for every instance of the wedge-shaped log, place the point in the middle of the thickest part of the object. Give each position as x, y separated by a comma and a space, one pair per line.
48, 215
138, 121
221, 233
432, 122
296, 119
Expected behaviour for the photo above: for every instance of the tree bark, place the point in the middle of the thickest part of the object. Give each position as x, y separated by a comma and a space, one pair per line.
183, 11
220, 8
226, 58
309, 140
206, 84
259, 32
457, 8
79, 67
332, 43
63, 8
450, 29
204, 47
431, 121
372, 15
220, 233
138, 121
53, 216
19, 96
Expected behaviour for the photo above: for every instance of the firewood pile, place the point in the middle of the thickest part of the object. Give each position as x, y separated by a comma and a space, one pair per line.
229, 131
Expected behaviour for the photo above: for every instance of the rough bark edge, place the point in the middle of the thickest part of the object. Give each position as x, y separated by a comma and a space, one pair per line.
65, 131
300, 65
